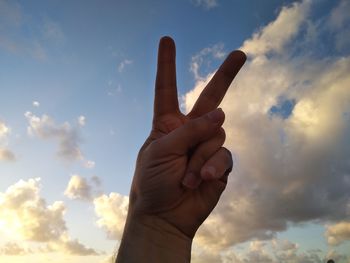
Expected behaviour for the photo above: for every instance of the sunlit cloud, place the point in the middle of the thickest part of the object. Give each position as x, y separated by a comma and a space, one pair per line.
89, 164
207, 4
287, 124
13, 248
82, 120
270, 39
288, 131
338, 233
13, 21
123, 64
78, 188
338, 23
4, 130
82, 189
203, 57
272, 251
25, 215
5, 153
52, 31
70, 246
68, 136
292, 165
108, 259
114, 89
36, 103
112, 211
337, 257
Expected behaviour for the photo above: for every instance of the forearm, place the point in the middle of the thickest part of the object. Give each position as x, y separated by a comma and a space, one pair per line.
152, 240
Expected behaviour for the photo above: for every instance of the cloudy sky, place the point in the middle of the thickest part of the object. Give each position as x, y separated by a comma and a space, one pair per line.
76, 82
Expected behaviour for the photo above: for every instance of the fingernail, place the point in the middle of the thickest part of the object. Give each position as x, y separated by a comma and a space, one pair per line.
216, 115
191, 180
208, 172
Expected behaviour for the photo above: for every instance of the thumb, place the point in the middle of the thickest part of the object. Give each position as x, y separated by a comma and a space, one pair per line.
195, 131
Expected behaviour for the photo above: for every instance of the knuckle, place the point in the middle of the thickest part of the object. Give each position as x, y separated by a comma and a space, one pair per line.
197, 125
191, 125
154, 147
197, 162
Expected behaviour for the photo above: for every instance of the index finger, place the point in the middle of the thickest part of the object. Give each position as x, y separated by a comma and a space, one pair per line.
215, 91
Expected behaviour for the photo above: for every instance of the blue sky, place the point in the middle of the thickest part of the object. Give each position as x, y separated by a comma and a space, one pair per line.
76, 82
68, 58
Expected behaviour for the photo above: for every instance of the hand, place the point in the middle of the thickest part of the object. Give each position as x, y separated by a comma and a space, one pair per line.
167, 115
167, 189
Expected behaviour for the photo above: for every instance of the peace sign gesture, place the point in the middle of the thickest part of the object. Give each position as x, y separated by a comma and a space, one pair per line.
182, 167
167, 115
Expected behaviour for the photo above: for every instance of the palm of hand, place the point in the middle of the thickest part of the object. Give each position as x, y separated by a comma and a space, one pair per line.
158, 183
157, 189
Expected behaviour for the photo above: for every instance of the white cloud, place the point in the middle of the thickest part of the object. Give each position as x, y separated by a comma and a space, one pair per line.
112, 211
207, 4
5, 153
70, 246
96, 180
36, 103
187, 100
339, 15
293, 169
204, 256
78, 188
109, 259
339, 24
52, 31
284, 245
13, 248
278, 33
30, 47
89, 164
81, 188
204, 57
123, 64
332, 254
82, 120
338, 233
68, 137
12, 39
258, 256
4, 130
273, 251
115, 89
36, 50
24, 215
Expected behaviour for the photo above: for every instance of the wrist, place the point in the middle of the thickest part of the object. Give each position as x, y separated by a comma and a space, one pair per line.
152, 239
